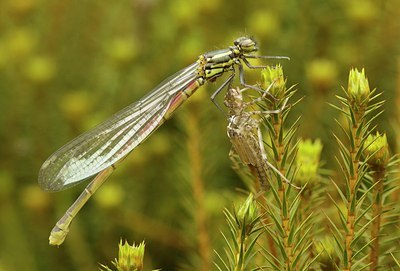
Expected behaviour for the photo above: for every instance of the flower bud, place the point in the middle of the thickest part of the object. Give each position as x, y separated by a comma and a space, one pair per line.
377, 149
358, 88
130, 257
274, 76
247, 215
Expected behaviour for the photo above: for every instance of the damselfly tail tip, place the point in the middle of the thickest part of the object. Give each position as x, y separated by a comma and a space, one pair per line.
57, 236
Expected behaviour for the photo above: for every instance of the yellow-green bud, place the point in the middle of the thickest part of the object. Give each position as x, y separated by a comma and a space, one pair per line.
274, 76
358, 88
247, 215
130, 257
377, 149
307, 161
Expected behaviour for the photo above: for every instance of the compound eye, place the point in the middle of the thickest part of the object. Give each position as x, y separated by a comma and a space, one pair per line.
239, 41
246, 44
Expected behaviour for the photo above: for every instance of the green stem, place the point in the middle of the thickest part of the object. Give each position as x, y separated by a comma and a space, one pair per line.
262, 201
239, 265
282, 192
378, 176
350, 214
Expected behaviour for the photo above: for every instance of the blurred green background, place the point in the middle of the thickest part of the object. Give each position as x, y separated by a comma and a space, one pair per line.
67, 65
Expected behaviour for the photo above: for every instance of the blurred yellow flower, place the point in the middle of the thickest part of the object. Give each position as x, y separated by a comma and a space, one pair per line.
40, 69
307, 161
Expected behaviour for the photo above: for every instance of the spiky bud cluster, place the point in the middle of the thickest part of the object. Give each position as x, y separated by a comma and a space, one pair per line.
247, 215
130, 257
377, 149
274, 76
358, 90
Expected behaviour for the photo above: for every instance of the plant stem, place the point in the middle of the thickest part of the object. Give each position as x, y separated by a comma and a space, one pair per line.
198, 188
352, 183
285, 206
264, 206
239, 265
378, 176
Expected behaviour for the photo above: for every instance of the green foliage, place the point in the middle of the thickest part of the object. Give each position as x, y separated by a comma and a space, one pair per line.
291, 238
286, 226
359, 110
244, 228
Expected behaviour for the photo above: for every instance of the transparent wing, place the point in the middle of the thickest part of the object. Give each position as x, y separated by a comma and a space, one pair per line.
97, 149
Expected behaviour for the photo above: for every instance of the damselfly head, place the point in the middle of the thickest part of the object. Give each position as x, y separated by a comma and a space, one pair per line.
246, 44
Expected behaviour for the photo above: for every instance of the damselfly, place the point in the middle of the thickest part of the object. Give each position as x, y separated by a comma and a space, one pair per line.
99, 150
245, 133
